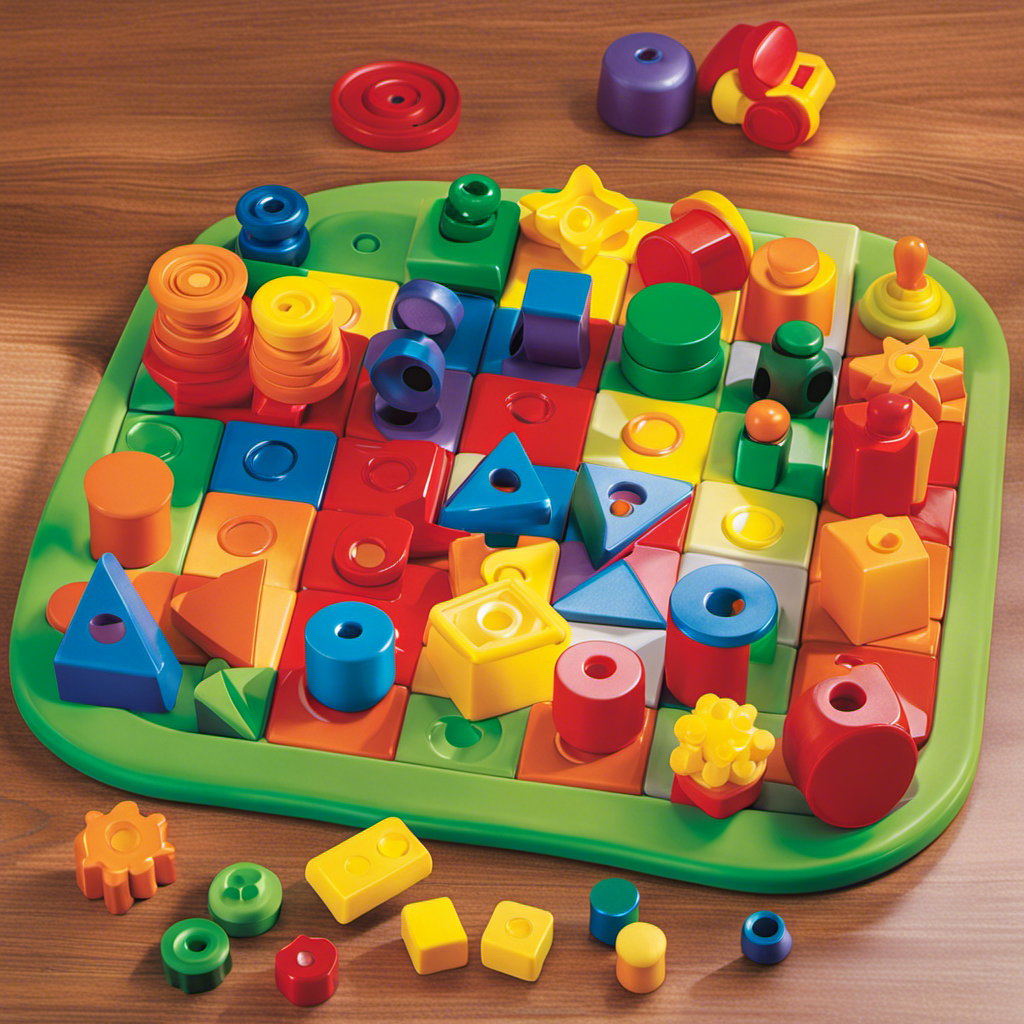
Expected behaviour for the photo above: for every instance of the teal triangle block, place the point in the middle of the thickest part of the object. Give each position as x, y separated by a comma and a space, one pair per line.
234, 702
113, 653
612, 597
598, 488
503, 494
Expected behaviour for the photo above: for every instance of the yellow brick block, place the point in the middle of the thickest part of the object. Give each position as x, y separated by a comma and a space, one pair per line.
434, 936
517, 939
361, 304
654, 436
495, 648
372, 866
874, 577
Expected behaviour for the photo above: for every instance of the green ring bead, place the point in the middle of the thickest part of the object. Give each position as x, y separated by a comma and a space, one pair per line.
196, 955
473, 197
245, 899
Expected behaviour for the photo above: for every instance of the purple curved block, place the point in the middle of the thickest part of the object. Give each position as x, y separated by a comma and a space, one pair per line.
409, 373
430, 308
442, 424
648, 84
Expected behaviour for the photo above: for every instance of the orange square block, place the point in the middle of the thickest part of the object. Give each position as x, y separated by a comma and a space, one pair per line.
235, 529
299, 720
546, 758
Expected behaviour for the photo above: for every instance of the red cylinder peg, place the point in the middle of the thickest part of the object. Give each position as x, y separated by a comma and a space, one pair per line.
598, 699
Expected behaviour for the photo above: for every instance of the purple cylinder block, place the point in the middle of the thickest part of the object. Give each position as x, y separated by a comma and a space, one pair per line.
648, 84
430, 308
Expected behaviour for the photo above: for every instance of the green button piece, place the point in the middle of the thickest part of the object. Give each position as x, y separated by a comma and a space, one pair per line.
672, 327
196, 955
245, 899
798, 338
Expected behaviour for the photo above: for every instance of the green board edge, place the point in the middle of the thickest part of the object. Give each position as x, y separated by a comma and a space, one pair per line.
754, 851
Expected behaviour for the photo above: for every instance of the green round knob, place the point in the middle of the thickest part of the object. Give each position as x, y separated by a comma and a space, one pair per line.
245, 899
798, 338
473, 197
672, 327
196, 955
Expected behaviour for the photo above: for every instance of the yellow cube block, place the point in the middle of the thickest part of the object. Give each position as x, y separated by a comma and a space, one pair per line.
361, 304
372, 866
874, 577
635, 432
495, 648
517, 939
752, 525
434, 936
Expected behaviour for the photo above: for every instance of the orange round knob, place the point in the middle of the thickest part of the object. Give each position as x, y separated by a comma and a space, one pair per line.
198, 285
911, 257
767, 421
792, 262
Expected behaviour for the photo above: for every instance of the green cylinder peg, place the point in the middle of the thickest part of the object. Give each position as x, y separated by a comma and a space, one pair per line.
672, 327
196, 955
245, 899
470, 211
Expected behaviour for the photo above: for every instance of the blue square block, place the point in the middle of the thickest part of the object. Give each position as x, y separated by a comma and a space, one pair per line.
466, 348
274, 462
561, 294
505, 325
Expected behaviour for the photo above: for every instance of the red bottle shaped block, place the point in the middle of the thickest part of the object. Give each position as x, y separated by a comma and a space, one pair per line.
847, 745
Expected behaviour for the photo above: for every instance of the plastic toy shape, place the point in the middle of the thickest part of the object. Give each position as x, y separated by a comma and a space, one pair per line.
470, 212
517, 939
409, 372
765, 939
123, 856
234, 702
245, 899
581, 220
535, 564
429, 308
306, 970
273, 222
368, 868
434, 936
794, 369
762, 449
672, 327
196, 955
614, 596
556, 318
614, 903
640, 957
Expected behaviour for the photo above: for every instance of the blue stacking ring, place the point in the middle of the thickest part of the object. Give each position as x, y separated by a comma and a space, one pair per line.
350, 656
614, 903
272, 213
289, 253
409, 373
765, 939
703, 606
430, 308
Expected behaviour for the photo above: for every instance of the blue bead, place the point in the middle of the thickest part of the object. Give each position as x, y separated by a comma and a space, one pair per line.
409, 372
429, 308
350, 656
272, 213
765, 939
466, 348
288, 253
614, 903
703, 606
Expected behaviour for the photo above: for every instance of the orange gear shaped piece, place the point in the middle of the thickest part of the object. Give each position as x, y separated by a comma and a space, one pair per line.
123, 856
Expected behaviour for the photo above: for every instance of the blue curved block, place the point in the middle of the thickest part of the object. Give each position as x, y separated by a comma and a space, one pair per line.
556, 317
765, 939
430, 308
705, 606
409, 373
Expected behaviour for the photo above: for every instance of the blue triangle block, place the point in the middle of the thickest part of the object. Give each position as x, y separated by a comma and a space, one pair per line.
502, 495
113, 654
612, 597
602, 490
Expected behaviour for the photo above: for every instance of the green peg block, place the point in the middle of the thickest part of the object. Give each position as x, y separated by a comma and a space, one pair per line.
234, 702
794, 370
471, 209
196, 955
762, 652
759, 464
245, 899
677, 385
147, 395
365, 244
671, 327
260, 273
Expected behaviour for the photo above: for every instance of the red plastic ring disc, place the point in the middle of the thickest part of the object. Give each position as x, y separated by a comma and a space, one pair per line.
395, 106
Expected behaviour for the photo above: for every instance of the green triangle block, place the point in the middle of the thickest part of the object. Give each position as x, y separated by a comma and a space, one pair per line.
148, 396
213, 666
234, 702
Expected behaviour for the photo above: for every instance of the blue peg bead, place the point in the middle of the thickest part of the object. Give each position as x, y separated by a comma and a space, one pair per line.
409, 373
765, 939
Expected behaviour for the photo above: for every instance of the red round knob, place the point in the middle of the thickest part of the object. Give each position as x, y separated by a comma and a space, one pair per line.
306, 970
888, 415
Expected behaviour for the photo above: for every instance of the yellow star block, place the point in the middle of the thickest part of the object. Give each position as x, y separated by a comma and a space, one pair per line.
582, 220
930, 376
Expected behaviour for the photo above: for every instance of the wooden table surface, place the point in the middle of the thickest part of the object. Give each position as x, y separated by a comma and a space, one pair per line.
129, 127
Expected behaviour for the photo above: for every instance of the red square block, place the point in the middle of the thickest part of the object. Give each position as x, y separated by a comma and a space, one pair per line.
551, 420
299, 720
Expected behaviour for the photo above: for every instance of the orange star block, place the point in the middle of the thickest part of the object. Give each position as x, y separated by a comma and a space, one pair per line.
123, 856
582, 220
930, 376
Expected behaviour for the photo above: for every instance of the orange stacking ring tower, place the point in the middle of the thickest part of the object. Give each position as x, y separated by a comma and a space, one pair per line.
198, 347
298, 355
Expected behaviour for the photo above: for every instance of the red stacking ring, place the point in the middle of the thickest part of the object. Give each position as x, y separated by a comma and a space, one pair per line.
396, 106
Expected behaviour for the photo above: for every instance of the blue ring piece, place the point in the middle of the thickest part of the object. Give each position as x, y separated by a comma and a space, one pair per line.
765, 939
430, 308
288, 253
272, 213
409, 356
614, 903
702, 606
350, 656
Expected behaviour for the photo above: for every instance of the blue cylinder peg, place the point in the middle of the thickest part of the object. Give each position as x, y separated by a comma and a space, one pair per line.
273, 221
765, 938
409, 372
350, 656
614, 903
430, 308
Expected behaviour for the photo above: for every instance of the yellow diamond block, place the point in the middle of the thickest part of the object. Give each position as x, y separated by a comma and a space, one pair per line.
361, 304
517, 939
635, 432
756, 526
495, 648
372, 866
718, 743
434, 936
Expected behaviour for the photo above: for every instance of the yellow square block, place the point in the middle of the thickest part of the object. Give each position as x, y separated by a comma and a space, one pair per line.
434, 936
608, 274
517, 939
874, 577
757, 526
649, 434
372, 866
729, 302
495, 648
361, 304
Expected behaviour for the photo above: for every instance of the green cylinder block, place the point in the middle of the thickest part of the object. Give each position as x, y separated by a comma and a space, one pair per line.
672, 327
759, 464
196, 955
794, 370
245, 899
675, 386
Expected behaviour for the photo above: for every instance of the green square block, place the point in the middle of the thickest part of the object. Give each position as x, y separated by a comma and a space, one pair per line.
612, 379
147, 395
365, 244
805, 476
658, 780
189, 447
479, 267
260, 273
182, 717
436, 735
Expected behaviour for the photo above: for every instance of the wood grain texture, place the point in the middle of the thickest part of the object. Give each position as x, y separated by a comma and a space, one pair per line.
129, 127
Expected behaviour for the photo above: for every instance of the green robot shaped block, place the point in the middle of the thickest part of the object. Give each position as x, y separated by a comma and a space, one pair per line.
794, 370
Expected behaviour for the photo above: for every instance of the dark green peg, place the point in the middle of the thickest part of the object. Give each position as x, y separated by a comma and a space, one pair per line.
196, 955
794, 370
470, 211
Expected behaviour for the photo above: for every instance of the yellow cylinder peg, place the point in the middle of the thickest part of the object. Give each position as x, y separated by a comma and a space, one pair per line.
640, 957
